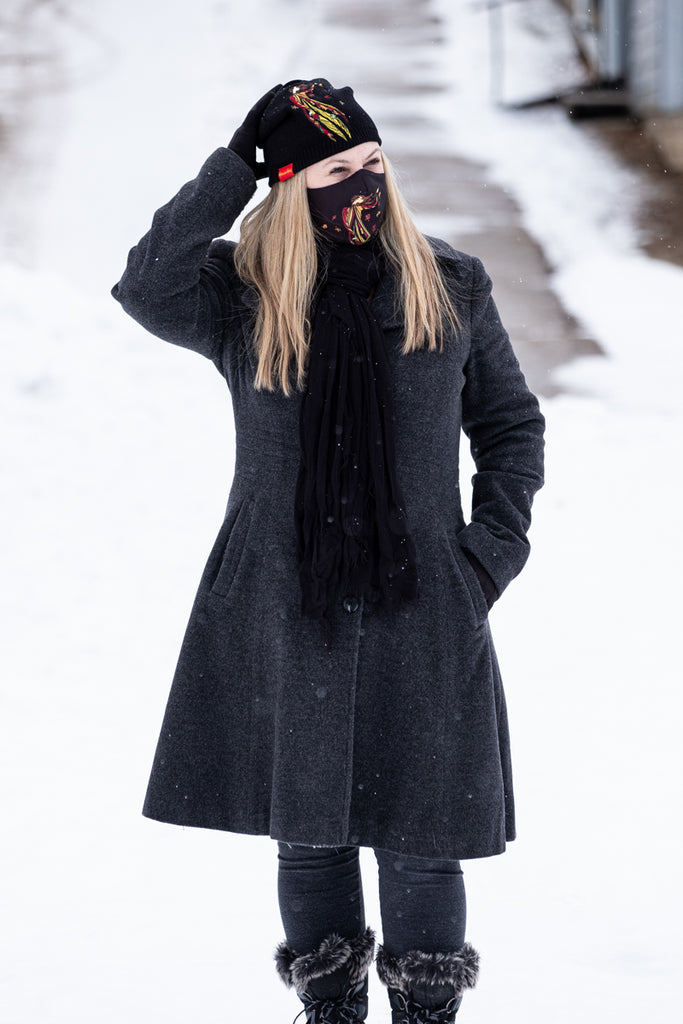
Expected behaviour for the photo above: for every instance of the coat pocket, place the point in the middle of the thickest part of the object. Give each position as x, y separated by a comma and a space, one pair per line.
468, 576
235, 548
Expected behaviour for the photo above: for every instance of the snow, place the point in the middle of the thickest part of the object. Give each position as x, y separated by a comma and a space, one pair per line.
114, 477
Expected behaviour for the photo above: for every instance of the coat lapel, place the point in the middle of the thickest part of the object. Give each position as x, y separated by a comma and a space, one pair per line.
384, 304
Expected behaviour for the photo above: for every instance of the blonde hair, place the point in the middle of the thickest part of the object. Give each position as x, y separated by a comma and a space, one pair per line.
277, 255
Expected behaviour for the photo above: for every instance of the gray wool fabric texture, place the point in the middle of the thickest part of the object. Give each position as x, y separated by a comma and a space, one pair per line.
388, 729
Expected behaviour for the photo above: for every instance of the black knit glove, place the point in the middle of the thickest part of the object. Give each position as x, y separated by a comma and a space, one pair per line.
485, 581
243, 141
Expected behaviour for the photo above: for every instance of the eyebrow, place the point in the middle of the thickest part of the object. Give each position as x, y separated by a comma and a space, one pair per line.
333, 160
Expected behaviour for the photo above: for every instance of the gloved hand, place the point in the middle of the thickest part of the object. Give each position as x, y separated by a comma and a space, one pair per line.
243, 141
485, 581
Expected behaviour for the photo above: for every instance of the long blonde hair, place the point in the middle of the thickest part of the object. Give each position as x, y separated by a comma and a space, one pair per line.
277, 255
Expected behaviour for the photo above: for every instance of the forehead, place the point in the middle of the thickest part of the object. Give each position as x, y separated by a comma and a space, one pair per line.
363, 150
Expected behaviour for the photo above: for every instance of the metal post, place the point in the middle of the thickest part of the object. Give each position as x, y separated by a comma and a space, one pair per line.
613, 39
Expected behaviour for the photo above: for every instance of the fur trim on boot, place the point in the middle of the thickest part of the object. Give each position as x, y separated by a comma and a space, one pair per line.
458, 969
355, 955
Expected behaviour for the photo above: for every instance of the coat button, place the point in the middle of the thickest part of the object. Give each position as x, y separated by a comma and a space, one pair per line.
350, 604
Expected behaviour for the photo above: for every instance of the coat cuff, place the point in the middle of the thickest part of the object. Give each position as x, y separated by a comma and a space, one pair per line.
485, 581
223, 176
502, 558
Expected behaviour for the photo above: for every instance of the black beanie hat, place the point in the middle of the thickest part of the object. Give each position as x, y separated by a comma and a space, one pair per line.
308, 121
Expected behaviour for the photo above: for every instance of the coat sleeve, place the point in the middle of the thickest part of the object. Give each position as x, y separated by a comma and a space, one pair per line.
172, 286
505, 427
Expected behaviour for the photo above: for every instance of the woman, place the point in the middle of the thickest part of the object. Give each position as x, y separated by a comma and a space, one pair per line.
337, 686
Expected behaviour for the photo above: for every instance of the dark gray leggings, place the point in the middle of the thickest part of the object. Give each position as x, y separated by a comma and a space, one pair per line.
320, 891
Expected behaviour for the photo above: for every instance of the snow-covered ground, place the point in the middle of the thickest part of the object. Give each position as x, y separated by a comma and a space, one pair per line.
110, 501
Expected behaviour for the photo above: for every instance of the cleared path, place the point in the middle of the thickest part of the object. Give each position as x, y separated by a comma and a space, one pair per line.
452, 197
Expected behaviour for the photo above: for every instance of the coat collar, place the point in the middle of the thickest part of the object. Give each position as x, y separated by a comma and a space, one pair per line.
384, 304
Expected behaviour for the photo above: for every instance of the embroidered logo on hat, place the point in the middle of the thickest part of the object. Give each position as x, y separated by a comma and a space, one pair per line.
286, 172
327, 118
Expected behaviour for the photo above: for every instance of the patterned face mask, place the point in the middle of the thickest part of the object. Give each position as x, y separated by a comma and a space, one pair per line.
351, 210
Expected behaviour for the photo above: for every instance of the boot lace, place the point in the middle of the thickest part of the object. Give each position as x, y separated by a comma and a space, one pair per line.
328, 1011
333, 1011
414, 1013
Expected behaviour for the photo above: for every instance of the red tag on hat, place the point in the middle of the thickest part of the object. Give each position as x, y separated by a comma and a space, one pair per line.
286, 172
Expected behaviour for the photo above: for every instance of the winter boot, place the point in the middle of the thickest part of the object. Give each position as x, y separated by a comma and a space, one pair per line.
332, 981
427, 988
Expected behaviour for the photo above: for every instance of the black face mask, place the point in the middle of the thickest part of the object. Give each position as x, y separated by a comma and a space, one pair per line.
351, 210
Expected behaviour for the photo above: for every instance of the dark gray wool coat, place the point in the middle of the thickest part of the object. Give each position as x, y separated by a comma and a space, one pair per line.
390, 730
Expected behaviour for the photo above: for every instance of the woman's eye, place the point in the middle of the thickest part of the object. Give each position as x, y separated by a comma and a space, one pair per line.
375, 160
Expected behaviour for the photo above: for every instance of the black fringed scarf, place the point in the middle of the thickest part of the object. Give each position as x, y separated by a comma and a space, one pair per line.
352, 533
